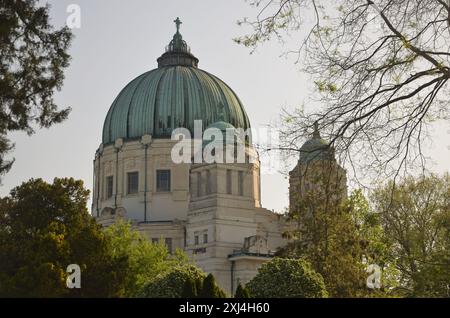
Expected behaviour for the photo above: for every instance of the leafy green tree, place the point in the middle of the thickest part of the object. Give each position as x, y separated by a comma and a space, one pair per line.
33, 57
210, 288
286, 278
375, 249
171, 284
381, 69
199, 284
189, 289
146, 260
326, 234
242, 292
415, 216
43, 229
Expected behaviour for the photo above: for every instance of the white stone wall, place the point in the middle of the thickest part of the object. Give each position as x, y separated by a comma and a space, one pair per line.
229, 219
196, 205
161, 206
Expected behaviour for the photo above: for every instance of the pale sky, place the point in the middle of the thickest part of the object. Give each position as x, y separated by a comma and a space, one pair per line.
119, 40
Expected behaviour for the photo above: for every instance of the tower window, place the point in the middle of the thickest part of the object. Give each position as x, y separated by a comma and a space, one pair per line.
229, 189
241, 183
163, 180
205, 238
196, 240
133, 182
109, 186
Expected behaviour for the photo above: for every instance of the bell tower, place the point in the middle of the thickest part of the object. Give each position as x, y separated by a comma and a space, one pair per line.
317, 171
223, 199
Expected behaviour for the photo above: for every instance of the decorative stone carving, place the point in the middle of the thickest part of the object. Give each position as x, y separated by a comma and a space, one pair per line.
111, 212
256, 244
146, 139
108, 211
121, 212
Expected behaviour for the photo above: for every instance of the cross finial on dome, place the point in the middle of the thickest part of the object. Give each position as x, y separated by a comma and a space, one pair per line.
178, 23
316, 133
177, 52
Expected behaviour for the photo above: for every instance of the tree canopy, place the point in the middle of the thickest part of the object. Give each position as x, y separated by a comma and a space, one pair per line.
172, 283
43, 229
33, 57
242, 292
182, 281
210, 289
329, 235
381, 70
415, 217
145, 259
287, 278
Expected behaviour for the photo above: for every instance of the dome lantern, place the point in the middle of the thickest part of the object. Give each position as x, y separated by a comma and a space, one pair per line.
177, 52
316, 148
316, 133
174, 95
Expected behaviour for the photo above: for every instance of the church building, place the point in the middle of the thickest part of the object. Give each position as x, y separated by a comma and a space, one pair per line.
210, 210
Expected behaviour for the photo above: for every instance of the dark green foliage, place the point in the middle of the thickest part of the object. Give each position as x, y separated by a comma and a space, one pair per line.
33, 57
242, 292
172, 283
145, 259
221, 294
287, 278
182, 281
211, 289
199, 284
329, 236
44, 228
189, 289
415, 217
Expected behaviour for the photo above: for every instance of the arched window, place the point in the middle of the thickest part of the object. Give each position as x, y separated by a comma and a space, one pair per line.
109, 186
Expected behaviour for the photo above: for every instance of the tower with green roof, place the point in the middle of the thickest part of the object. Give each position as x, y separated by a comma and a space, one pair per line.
317, 170
210, 210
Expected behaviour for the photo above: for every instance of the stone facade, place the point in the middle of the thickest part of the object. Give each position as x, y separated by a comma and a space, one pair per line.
211, 211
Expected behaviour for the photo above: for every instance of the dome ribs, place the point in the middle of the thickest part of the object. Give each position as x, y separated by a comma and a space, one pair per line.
169, 97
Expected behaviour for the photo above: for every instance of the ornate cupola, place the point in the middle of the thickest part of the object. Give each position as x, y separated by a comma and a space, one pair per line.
177, 52
316, 148
173, 95
317, 168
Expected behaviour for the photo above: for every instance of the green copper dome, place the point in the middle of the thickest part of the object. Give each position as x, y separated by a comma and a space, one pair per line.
316, 148
172, 96
225, 128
